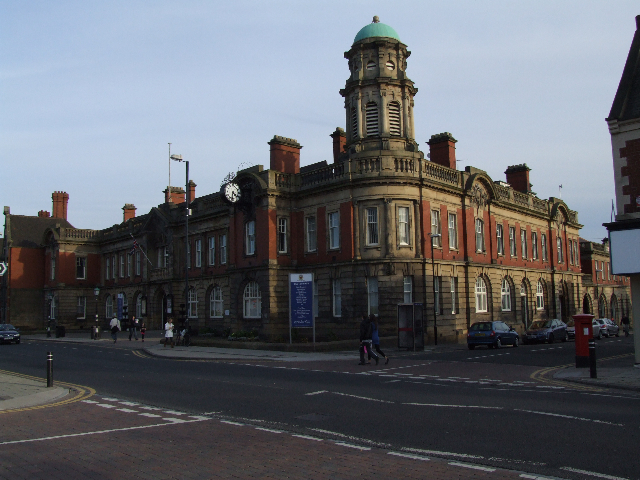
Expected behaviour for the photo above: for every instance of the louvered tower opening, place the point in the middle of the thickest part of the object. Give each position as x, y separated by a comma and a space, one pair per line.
394, 118
354, 124
372, 119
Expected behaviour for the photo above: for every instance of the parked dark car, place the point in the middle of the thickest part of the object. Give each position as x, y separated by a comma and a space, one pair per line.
9, 333
546, 331
491, 334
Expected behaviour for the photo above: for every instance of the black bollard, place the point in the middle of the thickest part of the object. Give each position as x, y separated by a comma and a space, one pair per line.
592, 358
49, 369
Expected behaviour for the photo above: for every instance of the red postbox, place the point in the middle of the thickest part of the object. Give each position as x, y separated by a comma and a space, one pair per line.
584, 332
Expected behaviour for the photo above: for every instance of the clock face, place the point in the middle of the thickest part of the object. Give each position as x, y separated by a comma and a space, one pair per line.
232, 192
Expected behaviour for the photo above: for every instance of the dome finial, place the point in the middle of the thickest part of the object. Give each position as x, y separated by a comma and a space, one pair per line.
376, 19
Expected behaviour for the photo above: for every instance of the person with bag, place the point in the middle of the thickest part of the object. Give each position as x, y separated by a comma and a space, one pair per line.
143, 329
366, 332
115, 328
168, 332
133, 327
625, 325
375, 338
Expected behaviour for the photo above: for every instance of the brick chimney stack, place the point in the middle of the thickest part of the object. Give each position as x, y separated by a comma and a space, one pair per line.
129, 210
174, 195
518, 177
192, 190
339, 143
60, 200
285, 155
44, 214
442, 150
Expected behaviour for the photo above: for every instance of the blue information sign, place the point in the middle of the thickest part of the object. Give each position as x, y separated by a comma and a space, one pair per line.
301, 299
120, 300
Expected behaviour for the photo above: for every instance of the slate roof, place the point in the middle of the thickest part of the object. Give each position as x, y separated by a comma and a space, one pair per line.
626, 104
26, 231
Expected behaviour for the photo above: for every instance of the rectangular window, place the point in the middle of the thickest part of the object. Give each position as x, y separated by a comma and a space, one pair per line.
534, 245
211, 254
479, 235
115, 266
372, 226
576, 249
282, 235
81, 310
453, 231
559, 244
334, 230
138, 266
408, 289
570, 242
403, 225
121, 266
337, 298
543, 246
198, 253
454, 297
512, 242
372, 294
223, 249
81, 268
500, 239
217, 306
523, 242
53, 266
129, 259
250, 237
107, 269
312, 240
435, 228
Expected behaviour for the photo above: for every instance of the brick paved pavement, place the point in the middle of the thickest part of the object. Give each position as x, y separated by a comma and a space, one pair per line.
96, 440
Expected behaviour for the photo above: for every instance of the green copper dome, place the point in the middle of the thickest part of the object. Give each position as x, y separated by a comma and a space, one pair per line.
376, 29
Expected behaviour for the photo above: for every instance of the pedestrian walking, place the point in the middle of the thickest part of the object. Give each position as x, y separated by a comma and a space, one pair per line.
365, 340
625, 325
168, 332
143, 329
133, 328
375, 338
115, 328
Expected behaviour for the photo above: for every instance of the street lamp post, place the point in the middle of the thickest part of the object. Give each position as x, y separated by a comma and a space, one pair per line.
598, 294
96, 292
433, 282
178, 158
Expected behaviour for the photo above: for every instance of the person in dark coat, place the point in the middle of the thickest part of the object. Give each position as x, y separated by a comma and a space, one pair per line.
625, 325
375, 338
366, 331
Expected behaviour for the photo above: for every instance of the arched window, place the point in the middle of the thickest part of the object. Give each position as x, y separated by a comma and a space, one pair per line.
108, 306
614, 308
394, 119
193, 303
125, 304
252, 301
505, 292
138, 305
371, 114
586, 304
602, 307
216, 306
539, 296
354, 123
481, 295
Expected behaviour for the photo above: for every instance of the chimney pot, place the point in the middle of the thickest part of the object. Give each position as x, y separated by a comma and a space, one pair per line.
442, 150
44, 214
129, 210
285, 154
518, 177
60, 201
339, 143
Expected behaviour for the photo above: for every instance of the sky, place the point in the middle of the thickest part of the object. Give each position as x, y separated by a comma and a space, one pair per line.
91, 93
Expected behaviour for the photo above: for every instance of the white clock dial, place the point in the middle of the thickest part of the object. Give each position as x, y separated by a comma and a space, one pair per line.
232, 192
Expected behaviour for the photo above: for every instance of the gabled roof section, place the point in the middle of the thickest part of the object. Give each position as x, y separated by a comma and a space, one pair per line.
26, 231
626, 104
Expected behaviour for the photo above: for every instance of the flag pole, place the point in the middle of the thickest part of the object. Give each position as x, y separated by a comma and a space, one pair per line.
138, 246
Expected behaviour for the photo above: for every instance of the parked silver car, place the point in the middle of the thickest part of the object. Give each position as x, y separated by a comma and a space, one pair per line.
598, 329
612, 327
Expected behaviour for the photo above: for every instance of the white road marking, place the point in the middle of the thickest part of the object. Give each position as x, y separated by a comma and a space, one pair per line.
109, 399
173, 412
534, 477
593, 474
393, 381
452, 406
126, 410
570, 417
105, 405
445, 454
149, 408
461, 378
130, 404
408, 455
316, 393
199, 417
89, 401
268, 430
93, 433
232, 423
357, 447
361, 398
475, 467
307, 437
175, 420
150, 415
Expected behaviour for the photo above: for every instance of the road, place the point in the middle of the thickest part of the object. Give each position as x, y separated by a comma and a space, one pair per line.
481, 406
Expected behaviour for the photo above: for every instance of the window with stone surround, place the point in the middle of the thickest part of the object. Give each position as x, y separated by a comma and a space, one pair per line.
436, 241
334, 230
394, 119
216, 305
481, 295
282, 234
505, 295
523, 242
453, 231
312, 239
543, 246
534, 245
250, 237
372, 119
252, 301
372, 226
81, 268
403, 225
500, 239
479, 235
512, 242
81, 307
